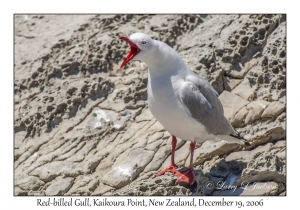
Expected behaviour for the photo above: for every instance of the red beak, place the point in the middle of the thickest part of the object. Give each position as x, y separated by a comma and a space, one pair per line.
134, 50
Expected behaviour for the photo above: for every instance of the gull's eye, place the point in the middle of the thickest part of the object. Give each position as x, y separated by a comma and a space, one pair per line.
143, 42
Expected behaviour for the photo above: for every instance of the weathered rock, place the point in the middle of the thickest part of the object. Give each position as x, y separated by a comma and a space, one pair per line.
283, 193
210, 149
230, 83
232, 104
51, 170
127, 170
36, 193
245, 90
246, 156
28, 182
84, 185
262, 163
19, 191
241, 74
60, 187
239, 119
101, 189
263, 133
264, 167
274, 109
255, 110
160, 186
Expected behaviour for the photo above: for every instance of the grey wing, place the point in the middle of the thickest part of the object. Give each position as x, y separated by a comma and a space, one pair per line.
201, 102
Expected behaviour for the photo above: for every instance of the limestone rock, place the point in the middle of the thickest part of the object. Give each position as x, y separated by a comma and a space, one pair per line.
255, 110
245, 90
36, 193
209, 150
274, 109
127, 170
84, 185
232, 104
19, 191
28, 182
264, 167
101, 189
154, 187
51, 170
60, 187
230, 83
246, 156
239, 118
264, 133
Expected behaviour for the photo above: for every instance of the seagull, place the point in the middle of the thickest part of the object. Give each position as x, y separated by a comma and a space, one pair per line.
185, 104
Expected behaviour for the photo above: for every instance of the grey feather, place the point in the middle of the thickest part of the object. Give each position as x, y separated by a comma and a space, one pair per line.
201, 102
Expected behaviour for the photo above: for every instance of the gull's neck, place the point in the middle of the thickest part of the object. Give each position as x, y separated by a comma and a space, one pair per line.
163, 60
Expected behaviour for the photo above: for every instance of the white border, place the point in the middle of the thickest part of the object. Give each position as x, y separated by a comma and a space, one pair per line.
144, 6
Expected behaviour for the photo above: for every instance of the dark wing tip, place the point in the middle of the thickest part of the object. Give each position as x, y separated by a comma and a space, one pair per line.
237, 135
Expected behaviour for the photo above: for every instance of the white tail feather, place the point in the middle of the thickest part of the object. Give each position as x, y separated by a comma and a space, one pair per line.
230, 139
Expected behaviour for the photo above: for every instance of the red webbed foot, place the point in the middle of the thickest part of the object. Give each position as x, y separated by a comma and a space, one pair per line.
185, 176
171, 169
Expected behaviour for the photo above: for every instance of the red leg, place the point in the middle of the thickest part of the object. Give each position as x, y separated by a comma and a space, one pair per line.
188, 174
172, 167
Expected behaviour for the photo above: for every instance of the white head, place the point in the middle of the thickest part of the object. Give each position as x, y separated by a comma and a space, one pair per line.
140, 45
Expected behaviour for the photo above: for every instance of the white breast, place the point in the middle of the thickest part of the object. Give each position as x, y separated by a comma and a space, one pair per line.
168, 110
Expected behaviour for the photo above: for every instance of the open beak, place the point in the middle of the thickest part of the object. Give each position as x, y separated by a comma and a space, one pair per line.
134, 50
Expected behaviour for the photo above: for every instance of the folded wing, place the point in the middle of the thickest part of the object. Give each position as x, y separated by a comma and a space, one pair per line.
201, 102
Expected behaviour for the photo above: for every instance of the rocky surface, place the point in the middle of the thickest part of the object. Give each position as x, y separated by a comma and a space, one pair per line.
82, 125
